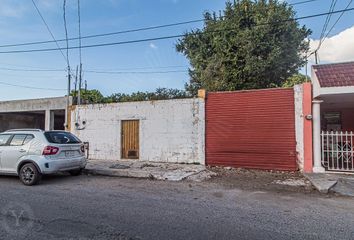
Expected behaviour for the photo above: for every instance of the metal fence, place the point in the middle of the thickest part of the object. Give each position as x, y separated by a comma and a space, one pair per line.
337, 151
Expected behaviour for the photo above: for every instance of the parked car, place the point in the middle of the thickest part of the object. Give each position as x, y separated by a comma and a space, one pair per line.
31, 153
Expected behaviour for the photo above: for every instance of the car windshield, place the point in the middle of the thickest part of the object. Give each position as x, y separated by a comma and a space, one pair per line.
61, 138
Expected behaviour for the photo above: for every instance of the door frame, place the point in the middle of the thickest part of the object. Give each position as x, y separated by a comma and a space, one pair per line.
122, 155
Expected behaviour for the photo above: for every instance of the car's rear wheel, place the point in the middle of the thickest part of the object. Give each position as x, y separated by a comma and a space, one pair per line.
29, 174
76, 172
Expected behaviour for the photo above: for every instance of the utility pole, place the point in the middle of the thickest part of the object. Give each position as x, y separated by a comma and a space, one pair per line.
306, 70
316, 57
68, 100
80, 83
77, 72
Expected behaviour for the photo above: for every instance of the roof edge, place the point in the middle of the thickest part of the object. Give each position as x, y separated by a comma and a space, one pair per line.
337, 63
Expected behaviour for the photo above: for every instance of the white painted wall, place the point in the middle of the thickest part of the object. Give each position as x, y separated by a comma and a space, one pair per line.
41, 104
299, 125
170, 130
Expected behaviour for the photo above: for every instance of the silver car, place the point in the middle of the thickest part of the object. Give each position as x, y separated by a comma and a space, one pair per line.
31, 153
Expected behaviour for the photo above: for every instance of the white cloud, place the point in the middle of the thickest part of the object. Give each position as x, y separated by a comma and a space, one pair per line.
48, 3
338, 48
153, 46
11, 9
19, 8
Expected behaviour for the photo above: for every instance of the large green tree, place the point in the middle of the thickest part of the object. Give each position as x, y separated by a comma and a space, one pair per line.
253, 44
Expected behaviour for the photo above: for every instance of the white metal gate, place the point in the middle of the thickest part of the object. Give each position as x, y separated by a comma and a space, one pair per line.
337, 151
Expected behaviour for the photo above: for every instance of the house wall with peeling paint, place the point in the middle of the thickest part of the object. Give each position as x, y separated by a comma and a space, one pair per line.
169, 131
299, 125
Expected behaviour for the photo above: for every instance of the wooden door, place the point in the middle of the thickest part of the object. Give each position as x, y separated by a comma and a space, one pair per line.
130, 139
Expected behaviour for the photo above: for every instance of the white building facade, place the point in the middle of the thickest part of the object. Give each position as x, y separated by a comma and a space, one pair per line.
157, 131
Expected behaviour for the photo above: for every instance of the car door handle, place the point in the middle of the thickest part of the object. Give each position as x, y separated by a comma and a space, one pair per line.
22, 150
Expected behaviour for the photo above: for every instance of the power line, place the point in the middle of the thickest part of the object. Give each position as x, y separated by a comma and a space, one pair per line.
31, 70
106, 34
325, 25
124, 31
32, 77
302, 2
37, 69
141, 68
30, 87
137, 72
97, 71
330, 30
326, 36
28, 66
66, 36
171, 37
79, 23
45, 23
96, 45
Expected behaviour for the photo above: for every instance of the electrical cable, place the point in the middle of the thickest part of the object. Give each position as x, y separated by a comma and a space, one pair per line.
169, 37
326, 36
302, 2
335, 23
142, 72
47, 26
30, 87
124, 31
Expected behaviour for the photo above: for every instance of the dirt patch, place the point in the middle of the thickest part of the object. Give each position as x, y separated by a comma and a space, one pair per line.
277, 181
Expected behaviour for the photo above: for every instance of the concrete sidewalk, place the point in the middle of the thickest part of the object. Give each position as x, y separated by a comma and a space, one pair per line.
152, 170
342, 184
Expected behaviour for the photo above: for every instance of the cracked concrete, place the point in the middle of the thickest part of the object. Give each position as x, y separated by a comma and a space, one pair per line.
342, 184
322, 182
141, 169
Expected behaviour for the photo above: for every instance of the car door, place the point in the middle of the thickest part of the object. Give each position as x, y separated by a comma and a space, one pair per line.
16, 148
4, 140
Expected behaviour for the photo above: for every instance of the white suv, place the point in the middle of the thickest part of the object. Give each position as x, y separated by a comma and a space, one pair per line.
30, 153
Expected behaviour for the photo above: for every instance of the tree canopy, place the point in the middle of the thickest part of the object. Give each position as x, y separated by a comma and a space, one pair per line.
95, 96
252, 45
295, 79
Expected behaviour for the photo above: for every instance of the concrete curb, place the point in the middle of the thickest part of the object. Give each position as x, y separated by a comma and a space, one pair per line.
118, 173
322, 182
344, 186
173, 175
324, 187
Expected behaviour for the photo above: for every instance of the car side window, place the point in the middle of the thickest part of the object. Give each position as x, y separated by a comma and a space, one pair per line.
18, 140
28, 139
4, 139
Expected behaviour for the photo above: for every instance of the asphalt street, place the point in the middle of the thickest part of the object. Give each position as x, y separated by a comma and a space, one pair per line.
90, 207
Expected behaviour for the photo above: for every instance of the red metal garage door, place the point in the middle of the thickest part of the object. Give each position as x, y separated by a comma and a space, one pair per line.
251, 129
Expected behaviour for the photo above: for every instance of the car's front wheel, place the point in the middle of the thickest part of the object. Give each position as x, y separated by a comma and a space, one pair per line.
29, 174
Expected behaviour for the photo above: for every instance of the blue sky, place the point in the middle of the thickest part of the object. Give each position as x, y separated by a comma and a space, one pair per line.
19, 22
